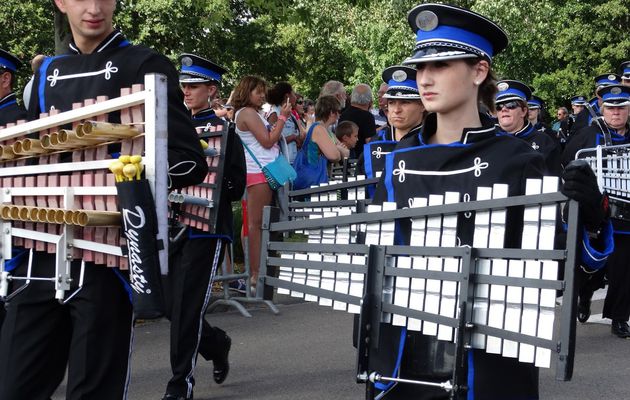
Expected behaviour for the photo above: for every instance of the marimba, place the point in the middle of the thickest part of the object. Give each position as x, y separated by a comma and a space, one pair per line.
611, 165
58, 194
480, 296
197, 206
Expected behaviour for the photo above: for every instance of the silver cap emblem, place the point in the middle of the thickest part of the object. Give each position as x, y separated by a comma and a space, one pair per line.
187, 61
399, 75
427, 21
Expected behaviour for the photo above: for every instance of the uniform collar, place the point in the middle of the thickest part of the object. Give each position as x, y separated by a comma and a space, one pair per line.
113, 40
524, 131
413, 131
8, 98
469, 135
204, 114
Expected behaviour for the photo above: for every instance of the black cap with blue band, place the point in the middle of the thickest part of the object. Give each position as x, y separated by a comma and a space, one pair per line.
445, 32
402, 83
615, 95
195, 69
578, 101
510, 90
9, 62
607, 80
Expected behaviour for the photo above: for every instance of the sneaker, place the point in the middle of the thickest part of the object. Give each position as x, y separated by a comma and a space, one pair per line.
238, 285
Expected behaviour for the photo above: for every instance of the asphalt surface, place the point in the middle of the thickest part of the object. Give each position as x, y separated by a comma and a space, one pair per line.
306, 353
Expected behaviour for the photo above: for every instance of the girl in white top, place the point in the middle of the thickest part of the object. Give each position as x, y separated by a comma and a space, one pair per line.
262, 141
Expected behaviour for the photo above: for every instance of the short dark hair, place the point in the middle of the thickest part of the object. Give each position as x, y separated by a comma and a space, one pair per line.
325, 106
276, 94
345, 128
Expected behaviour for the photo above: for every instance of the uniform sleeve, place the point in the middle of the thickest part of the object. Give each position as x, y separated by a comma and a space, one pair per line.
595, 252
235, 177
186, 162
554, 158
573, 146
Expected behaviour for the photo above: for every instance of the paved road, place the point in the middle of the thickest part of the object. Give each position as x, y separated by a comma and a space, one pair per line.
306, 353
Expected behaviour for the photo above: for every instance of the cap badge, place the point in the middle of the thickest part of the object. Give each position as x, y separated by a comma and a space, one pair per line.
187, 61
399, 94
615, 90
399, 75
612, 77
427, 21
503, 86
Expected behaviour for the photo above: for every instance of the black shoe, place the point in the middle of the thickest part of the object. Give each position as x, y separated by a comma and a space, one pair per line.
221, 363
620, 329
175, 397
584, 309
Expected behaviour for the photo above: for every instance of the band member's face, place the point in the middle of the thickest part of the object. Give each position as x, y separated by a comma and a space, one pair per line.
616, 117
404, 114
533, 115
196, 95
511, 116
576, 109
450, 86
90, 20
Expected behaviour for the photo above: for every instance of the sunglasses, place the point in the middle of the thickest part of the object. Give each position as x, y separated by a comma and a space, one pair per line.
510, 105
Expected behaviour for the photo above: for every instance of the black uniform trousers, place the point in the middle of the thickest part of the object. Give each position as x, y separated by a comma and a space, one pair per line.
617, 303
91, 334
192, 266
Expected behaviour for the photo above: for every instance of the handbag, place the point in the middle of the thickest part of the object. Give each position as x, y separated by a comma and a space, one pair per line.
309, 174
278, 172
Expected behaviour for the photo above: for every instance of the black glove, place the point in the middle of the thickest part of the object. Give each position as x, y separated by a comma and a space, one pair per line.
580, 184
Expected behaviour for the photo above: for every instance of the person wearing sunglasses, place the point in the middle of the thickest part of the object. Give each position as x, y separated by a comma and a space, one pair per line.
512, 115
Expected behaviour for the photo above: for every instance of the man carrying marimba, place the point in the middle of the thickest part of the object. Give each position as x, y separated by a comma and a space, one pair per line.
92, 332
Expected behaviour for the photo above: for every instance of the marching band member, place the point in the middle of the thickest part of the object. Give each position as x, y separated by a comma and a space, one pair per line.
195, 258
615, 109
92, 333
453, 56
405, 114
512, 112
10, 110
584, 118
535, 110
625, 73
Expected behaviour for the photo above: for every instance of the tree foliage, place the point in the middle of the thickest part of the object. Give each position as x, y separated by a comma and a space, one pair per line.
557, 46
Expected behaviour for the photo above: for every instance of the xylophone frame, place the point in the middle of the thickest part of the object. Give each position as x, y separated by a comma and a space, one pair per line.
611, 166
373, 308
156, 173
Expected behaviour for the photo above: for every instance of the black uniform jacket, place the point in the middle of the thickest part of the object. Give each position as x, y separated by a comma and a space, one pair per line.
115, 64
482, 157
10, 110
234, 173
544, 144
372, 160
